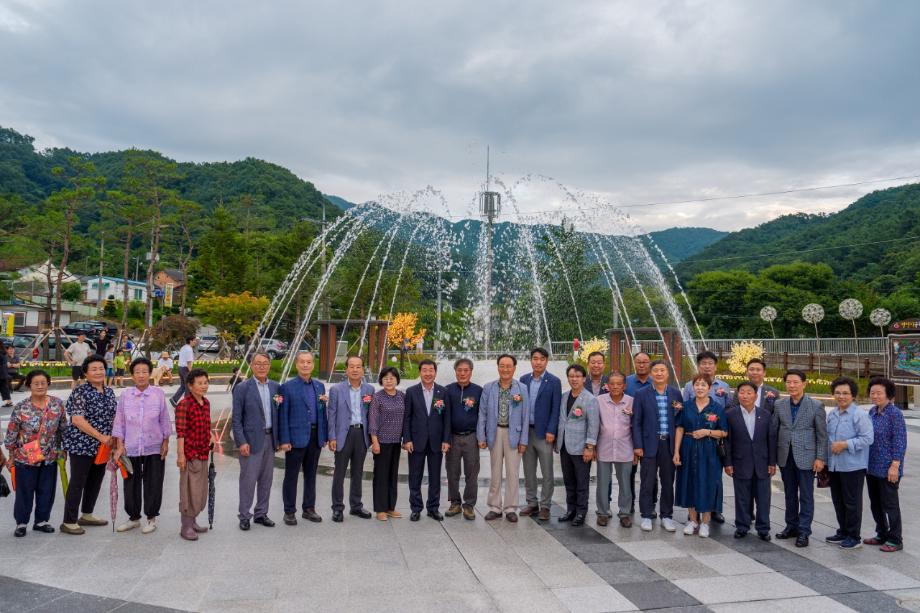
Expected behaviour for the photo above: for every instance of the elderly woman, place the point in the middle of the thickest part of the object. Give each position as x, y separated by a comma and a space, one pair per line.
193, 442
385, 426
33, 438
849, 436
699, 470
141, 432
886, 465
91, 409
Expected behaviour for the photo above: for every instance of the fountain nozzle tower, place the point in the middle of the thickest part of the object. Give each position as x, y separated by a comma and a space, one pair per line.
490, 205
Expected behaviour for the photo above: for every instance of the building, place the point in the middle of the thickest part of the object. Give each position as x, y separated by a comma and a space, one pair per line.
28, 316
114, 287
33, 280
172, 282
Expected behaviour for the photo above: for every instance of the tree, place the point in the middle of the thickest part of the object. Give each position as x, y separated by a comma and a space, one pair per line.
221, 263
124, 214
234, 315
186, 217
402, 334
171, 330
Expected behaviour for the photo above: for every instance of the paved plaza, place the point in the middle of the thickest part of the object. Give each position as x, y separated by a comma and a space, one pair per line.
455, 565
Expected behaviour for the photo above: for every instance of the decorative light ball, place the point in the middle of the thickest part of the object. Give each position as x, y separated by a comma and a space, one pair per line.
813, 313
880, 317
850, 309
768, 313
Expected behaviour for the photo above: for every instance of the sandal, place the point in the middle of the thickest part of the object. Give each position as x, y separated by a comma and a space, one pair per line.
891, 547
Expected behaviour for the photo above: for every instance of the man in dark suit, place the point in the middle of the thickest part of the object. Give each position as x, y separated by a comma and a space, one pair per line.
767, 395
302, 436
750, 460
653, 434
255, 419
426, 436
545, 395
596, 382
463, 398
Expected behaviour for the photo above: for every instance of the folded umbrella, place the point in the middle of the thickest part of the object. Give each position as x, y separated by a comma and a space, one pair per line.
212, 477
113, 490
62, 468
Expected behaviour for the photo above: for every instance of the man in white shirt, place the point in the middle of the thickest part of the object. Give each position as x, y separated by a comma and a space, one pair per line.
75, 354
186, 357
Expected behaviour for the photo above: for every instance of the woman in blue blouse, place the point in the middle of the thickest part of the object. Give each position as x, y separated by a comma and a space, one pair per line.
699, 470
886, 465
385, 426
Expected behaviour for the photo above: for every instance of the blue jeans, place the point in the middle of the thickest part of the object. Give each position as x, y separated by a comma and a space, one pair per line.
800, 496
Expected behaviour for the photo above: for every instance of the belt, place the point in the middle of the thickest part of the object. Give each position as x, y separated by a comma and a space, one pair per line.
501, 426
358, 426
465, 433
268, 430
663, 437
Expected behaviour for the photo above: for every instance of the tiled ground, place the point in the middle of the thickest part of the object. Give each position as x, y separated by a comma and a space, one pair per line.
455, 565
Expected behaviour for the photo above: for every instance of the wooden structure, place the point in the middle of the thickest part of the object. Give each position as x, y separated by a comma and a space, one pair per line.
375, 350
622, 360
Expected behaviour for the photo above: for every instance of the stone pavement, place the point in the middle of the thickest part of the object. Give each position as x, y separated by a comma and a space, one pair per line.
452, 565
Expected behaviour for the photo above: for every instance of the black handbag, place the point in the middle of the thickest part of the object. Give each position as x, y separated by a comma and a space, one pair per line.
720, 447
4, 487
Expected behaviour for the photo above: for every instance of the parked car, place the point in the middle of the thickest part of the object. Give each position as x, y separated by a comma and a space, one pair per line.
273, 347
90, 328
208, 344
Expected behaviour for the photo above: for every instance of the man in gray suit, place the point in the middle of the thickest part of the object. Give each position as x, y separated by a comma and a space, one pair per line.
801, 451
346, 415
255, 412
579, 424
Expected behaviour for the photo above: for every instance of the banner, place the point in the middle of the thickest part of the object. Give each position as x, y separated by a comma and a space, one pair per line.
904, 358
167, 301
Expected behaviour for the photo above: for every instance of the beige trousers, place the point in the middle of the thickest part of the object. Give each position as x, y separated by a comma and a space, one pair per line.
504, 455
193, 488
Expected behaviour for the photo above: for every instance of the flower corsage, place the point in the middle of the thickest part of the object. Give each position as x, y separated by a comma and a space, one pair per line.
439, 405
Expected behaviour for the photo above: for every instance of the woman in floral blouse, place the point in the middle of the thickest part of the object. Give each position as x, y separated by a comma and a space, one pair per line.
385, 426
33, 438
91, 409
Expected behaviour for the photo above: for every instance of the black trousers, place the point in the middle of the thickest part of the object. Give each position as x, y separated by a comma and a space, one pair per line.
183, 374
297, 460
145, 486
847, 494
34, 484
632, 488
353, 451
417, 461
85, 481
4, 388
747, 492
886, 508
576, 474
661, 467
386, 477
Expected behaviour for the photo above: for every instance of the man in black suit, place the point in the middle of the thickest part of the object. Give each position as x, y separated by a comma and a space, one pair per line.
426, 436
750, 460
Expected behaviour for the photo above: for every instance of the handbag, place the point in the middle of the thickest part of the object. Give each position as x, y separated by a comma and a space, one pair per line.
33, 449
720, 447
4, 487
823, 477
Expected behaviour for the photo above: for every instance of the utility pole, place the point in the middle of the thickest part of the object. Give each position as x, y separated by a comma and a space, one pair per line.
99, 301
490, 205
437, 328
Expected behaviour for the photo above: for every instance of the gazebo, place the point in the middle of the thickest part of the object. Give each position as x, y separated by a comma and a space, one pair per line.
375, 352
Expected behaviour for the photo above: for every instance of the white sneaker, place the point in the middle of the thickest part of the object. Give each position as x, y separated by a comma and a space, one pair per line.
690, 528
668, 524
150, 527
646, 524
704, 531
128, 525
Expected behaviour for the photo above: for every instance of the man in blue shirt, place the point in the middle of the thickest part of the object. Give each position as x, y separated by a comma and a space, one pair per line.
463, 406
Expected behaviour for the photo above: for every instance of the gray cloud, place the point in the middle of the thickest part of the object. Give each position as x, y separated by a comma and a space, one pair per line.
638, 102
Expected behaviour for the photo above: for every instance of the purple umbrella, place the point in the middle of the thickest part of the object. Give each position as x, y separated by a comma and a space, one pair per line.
113, 490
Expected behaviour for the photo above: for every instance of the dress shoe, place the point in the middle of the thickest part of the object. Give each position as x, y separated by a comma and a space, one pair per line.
264, 521
290, 519
602, 520
567, 517
337, 517
469, 513
493, 515
528, 511
88, 519
578, 520
454, 509
435, 515
415, 516
362, 513
626, 521
382, 517
764, 536
74, 529
740, 534
544, 514
46, 528
244, 524
311, 515
718, 518
19, 532
802, 540
394, 514
512, 517
788, 533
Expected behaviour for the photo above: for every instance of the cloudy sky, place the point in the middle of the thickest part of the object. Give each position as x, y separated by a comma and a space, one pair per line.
637, 102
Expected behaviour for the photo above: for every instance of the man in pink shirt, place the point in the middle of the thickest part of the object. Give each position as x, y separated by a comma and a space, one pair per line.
615, 450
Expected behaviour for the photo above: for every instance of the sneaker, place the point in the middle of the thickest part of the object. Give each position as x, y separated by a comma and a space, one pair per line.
835, 538
128, 525
704, 531
850, 543
150, 526
668, 524
646, 524
690, 528
88, 519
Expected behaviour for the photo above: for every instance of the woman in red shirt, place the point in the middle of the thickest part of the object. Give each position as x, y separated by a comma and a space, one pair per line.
193, 437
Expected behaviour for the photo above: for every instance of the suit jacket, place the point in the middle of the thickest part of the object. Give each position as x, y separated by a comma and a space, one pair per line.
749, 457
338, 411
577, 431
807, 436
248, 418
546, 404
518, 415
645, 419
421, 427
603, 390
294, 419
765, 401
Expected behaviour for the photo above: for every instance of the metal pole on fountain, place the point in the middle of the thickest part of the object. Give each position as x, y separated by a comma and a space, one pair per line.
490, 205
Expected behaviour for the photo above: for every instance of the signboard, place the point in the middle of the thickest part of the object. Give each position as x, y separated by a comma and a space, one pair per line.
906, 325
158, 293
904, 358
9, 323
169, 295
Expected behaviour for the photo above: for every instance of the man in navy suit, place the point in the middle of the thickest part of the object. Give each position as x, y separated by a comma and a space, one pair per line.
654, 408
750, 460
255, 419
426, 436
767, 395
545, 395
302, 436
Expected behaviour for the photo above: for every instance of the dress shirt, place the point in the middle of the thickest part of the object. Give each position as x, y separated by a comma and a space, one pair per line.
265, 397
533, 389
428, 394
142, 420
854, 426
633, 384
354, 403
759, 395
750, 419
186, 356
595, 391
614, 440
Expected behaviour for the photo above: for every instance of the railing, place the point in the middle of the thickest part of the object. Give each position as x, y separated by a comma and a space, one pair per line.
793, 346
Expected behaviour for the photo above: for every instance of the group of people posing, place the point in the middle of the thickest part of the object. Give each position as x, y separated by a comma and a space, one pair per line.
679, 443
